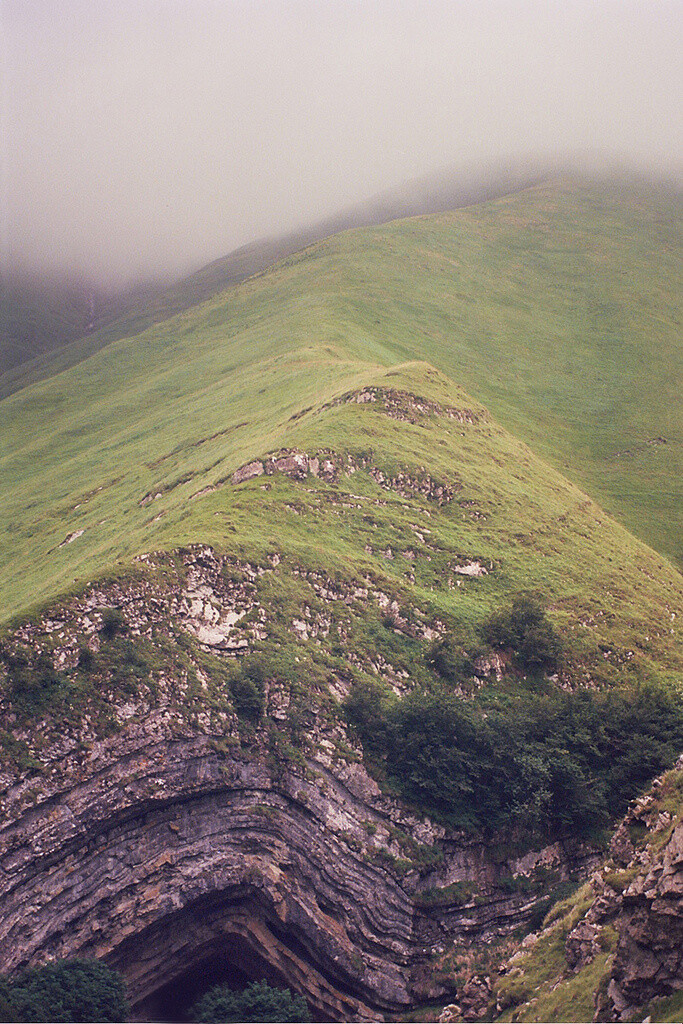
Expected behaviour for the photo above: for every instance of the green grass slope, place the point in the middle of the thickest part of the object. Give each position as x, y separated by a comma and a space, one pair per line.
109, 459
431, 503
558, 307
367, 350
45, 328
179, 407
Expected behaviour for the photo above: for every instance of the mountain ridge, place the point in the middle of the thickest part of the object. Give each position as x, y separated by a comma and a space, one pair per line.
278, 591
554, 338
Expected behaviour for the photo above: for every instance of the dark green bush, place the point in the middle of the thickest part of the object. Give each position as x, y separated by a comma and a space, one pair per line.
113, 623
7, 1009
247, 698
34, 687
247, 690
65, 991
432, 737
258, 1002
86, 659
366, 708
448, 661
526, 630
543, 763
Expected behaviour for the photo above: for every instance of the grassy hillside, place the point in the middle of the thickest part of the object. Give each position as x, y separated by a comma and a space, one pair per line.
179, 407
558, 307
39, 320
411, 517
432, 377
146, 425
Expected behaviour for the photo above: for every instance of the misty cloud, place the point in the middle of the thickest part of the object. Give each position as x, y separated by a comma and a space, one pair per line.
145, 137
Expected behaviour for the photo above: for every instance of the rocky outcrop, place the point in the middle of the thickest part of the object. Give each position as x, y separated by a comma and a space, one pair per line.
403, 405
647, 914
154, 829
157, 852
247, 472
649, 957
622, 932
328, 465
636, 908
163, 850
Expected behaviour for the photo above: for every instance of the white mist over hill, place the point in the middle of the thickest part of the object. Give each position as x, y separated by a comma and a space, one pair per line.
145, 137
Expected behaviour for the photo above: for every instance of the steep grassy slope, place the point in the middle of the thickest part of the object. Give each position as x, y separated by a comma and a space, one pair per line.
561, 310
124, 463
360, 507
558, 307
178, 408
38, 321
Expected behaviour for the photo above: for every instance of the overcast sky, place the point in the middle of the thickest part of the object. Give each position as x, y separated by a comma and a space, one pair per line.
148, 136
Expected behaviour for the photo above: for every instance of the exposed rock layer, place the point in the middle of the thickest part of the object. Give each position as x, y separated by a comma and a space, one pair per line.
156, 850
648, 914
183, 843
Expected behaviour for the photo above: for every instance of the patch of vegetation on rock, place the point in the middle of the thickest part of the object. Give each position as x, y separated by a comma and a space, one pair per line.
66, 991
258, 1002
541, 761
526, 630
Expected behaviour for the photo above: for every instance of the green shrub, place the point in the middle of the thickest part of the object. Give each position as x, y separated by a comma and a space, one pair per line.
258, 1002
456, 894
448, 661
247, 697
33, 688
432, 737
113, 623
65, 991
366, 709
526, 630
7, 1010
86, 659
544, 763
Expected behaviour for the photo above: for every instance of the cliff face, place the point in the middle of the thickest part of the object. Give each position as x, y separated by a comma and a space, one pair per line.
159, 854
648, 913
178, 845
166, 856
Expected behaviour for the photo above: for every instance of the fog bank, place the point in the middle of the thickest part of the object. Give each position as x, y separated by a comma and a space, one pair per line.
143, 138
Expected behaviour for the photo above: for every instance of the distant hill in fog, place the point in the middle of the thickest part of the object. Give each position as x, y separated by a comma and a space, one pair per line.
46, 327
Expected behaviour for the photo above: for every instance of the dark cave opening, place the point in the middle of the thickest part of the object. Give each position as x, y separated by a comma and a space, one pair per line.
226, 962
174, 1001
226, 937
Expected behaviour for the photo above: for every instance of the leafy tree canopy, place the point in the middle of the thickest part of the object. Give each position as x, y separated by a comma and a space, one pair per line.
67, 991
258, 1002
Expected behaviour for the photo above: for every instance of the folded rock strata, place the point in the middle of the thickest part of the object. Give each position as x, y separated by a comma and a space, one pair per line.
163, 854
181, 846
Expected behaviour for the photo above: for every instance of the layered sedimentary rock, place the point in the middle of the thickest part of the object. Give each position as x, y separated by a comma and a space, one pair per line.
157, 831
163, 851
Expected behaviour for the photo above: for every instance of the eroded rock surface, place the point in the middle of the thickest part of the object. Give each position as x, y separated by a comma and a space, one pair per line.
648, 917
168, 837
638, 894
159, 846
328, 465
